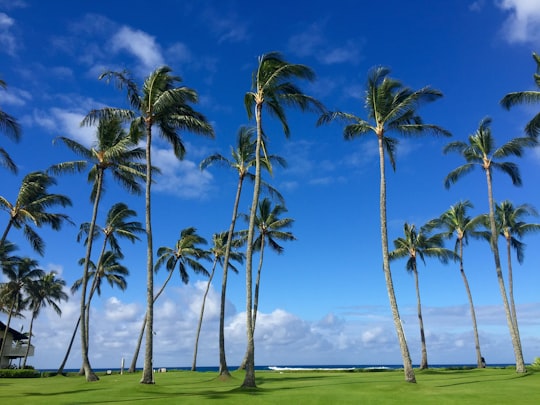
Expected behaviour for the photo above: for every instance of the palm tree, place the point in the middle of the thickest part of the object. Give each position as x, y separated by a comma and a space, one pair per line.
272, 88
47, 290
19, 274
185, 253
270, 229
116, 226
390, 107
115, 152
31, 208
481, 151
532, 128
11, 128
218, 250
511, 225
243, 159
162, 104
417, 244
456, 222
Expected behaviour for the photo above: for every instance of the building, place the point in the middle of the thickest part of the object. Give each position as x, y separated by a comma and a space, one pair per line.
15, 347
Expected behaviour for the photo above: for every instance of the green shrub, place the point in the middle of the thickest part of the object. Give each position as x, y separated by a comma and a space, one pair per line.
536, 363
15, 373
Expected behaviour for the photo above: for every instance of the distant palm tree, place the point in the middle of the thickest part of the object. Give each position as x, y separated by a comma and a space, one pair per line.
243, 159
390, 107
114, 152
160, 103
218, 251
527, 97
47, 290
456, 223
11, 128
510, 222
480, 151
31, 208
418, 244
272, 88
19, 274
186, 253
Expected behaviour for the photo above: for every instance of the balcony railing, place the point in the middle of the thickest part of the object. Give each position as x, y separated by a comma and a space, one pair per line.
18, 351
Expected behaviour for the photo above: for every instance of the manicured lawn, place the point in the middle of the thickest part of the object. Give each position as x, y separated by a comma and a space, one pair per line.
489, 386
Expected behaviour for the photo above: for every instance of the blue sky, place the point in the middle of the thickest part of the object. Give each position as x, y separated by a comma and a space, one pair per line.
324, 300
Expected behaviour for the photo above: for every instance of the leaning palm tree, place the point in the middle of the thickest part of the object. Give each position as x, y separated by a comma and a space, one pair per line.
391, 107
527, 97
11, 128
31, 208
48, 290
456, 222
116, 226
185, 253
162, 104
273, 88
511, 225
243, 159
218, 251
481, 151
19, 274
418, 244
113, 152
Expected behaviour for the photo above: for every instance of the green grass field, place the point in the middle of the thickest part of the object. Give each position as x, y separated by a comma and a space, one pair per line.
486, 386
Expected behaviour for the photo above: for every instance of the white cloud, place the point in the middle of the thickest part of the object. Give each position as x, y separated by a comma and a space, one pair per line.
16, 97
227, 26
61, 122
7, 39
523, 22
139, 44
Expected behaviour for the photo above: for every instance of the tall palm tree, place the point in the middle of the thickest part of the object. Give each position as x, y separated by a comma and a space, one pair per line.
31, 209
12, 129
218, 251
19, 274
113, 152
273, 88
481, 151
243, 159
186, 253
47, 290
456, 222
162, 104
527, 97
116, 226
418, 244
391, 107
511, 225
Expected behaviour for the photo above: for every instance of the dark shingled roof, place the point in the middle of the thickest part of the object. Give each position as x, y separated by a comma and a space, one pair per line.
16, 335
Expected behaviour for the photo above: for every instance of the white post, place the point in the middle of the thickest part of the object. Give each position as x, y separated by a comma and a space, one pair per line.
122, 366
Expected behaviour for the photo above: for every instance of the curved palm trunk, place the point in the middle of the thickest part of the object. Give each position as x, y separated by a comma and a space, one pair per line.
68, 351
249, 379
520, 364
479, 362
407, 364
6, 231
194, 364
423, 361
29, 340
148, 375
223, 369
7, 327
511, 288
133, 365
90, 375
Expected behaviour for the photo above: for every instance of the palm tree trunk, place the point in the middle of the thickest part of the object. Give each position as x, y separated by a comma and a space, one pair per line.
223, 369
424, 360
511, 289
257, 285
7, 329
194, 365
520, 364
249, 379
407, 364
479, 359
29, 340
61, 368
133, 365
90, 375
148, 375
6, 231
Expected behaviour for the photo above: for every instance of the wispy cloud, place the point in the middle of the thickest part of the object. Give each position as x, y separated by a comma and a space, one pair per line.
8, 42
226, 25
139, 44
523, 22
